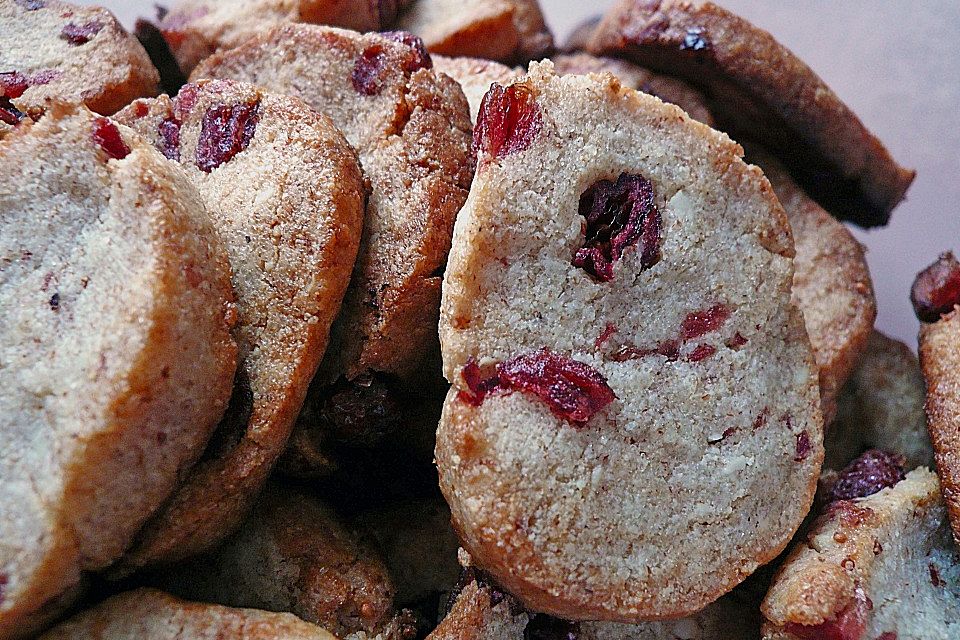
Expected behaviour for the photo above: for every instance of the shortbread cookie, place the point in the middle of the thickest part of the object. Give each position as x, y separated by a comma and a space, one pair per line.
831, 284
935, 296
761, 90
54, 51
666, 88
873, 568
475, 75
292, 554
196, 28
502, 30
881, 406
411, 128
116, 359
618, 329
581, 35
146, 613
285, 193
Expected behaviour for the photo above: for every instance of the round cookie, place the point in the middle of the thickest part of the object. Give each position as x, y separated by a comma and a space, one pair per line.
196, 28
146, 613
876, 567
286, 195
475, 75
116, 359
832, 284
759, 89
617, 325
54, 51
411, 129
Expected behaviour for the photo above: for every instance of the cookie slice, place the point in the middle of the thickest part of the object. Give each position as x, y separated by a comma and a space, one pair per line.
666, 88
831, 285
285, 193
935, 296
618, 328
475, 75
54, 51
503, 30
761, 90
411, 128
876, 567
196, 28
116, 359
881, 406
146, 613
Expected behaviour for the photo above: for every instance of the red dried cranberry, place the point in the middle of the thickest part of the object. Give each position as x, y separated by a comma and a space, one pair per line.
936, 289
608, 331
544, 627
480, 387
9, 114
701, 323
868, 474
169, 130
702, 352
887, 635
935, 578
803, 447
419, 58
737, 341
849, 625
226, 131
850, 514
77, 34
106, 134
618, 215
369, 70
44, 77
185, 101
508, 121
13, 84
669, 349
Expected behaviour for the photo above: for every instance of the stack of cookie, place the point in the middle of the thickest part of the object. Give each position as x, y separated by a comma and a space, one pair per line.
364, 332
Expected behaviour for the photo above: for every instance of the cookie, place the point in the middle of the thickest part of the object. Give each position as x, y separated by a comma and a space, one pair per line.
57, 52
666, 88
761, 90
285, 193
618, 330
935, 296
411, 128
503, 30
881, 406
882, 566
146, 613
116, 358
196, 28
831, 285
475, 75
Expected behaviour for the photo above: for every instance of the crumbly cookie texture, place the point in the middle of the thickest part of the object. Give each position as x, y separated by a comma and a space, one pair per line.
116, 359
475, 75
286, 195
761, 90
618, 328
831, 285
881, 406
58, 52
146, 613
882, 566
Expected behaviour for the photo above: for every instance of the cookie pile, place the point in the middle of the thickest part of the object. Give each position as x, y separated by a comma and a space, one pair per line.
361, 331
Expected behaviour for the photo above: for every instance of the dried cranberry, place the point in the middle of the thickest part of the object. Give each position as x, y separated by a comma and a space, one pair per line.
185, 101
669, 349
106, 134
701, 323
419, 58
695, 40
935, 578
887, 635
849, 513
508, 122
849, 625
737, 341
544, 627
868, 474
226, 131
618, 215
13, 84
803, 447
573, 390
9, 114
44, 77
169, 130
370, 70
77, 34
936, 289
608, 331
702, 352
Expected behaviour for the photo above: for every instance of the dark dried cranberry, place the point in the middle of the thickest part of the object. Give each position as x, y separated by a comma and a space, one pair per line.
935, 578
803, 447
13, 84
419, 58
169, 130
44, 77
369, 70
508, 122
695, 40
9, 114
226, 131
887, 635
936, 290
700, 323
77, 34
618, 215
106, 134
544, 627
702, 352
55, 302
868, 474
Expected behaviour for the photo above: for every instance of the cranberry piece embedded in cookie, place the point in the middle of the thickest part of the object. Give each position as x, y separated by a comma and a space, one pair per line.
369, 70
700, 323
803, 447
936, 289
225, 132
77, 34
106, 134
618, 215
9, 114
849, 625
13, 84
544, 627
169, 130
508, 121
868, 474
419, 57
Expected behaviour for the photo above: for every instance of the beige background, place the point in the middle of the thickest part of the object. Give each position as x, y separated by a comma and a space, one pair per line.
898, 65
